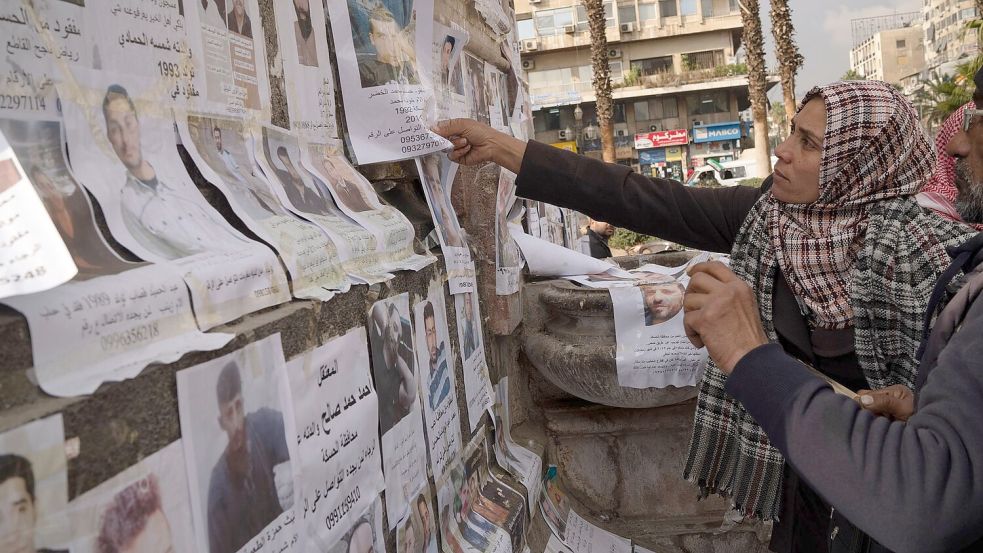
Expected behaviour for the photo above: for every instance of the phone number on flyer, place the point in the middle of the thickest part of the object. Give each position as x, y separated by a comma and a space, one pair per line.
22, 101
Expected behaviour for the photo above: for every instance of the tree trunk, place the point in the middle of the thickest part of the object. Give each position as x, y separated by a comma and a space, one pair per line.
789, 59
602, 76
757, 85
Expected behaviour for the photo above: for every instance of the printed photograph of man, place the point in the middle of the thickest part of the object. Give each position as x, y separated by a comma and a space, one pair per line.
343, 179
445, 219
467, 324
251, 483
386, 53
428, 529
361, 538
406, 539
255, 198
438, 377
661, 301
156, 213
304, 33
448, 533
302, 197
134, 522
18, 508
450, 72
239, 20
392, 363
477, 99
212, 12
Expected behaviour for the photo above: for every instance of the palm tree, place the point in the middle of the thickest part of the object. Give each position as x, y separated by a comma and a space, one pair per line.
602, 76
941, 96
757, 83
789, 58
851, 75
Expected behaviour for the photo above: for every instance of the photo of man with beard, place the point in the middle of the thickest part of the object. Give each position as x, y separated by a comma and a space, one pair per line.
392, 363
662, 301
304, 33
251, 484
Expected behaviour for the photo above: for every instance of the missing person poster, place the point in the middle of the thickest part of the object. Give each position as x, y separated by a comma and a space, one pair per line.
652, 348
33, 256
437, 380
404, 445
522, 463
114, 317
303, 40
417, 533
365, 534
123, 151
34, 483
357, 199
42, 40
574, 531
448, 75
477, 384
237, 425
230, 56
508, 261
280, 156
144, 508
377, 44
223, 151
436, 174
337, 420
477, 91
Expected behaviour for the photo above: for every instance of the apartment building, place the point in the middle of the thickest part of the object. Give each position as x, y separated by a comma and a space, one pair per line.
890, 55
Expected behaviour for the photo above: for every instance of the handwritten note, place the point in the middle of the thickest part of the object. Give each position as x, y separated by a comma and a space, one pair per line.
33, 256
336, 413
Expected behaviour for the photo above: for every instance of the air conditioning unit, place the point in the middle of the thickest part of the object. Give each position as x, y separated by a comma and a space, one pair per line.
614, 53
531, 45
562, 135
697, 123
569, 29
528, 64
627, 27
621, 132
654, 128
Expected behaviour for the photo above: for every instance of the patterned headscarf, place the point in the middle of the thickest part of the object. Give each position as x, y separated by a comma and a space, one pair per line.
863, 254
873, 149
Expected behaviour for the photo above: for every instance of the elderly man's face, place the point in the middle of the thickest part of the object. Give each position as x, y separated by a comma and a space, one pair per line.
967, 147
123, 132
154, 538
17, 517
663, 300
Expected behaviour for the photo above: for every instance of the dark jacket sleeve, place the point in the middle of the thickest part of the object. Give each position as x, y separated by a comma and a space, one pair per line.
915, 486
702, 218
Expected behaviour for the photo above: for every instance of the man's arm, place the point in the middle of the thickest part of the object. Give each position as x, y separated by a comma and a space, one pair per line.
703, 218
915, 486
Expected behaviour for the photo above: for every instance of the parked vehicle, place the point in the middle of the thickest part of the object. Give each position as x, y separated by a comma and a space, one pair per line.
727, 173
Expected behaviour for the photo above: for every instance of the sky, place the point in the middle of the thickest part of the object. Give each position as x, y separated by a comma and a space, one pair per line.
822, 31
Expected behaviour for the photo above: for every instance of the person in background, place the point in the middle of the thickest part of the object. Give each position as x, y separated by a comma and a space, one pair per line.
598, 233
940, 193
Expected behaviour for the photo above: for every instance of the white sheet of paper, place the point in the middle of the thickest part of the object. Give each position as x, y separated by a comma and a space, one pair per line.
548, 259
223, 152
436, 173
159, 483
438, 386
236, 410
130, 163
404, 445
306, 68
508, 261
42, 444
652, 348
114, 317
337, 420
33, 256
380, 63
356, 198
477, 384
522, 463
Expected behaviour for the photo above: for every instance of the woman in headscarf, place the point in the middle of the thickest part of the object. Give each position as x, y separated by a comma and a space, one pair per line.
940, 193
841, 257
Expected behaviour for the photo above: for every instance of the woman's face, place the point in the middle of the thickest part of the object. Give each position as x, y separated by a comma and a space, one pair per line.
796, 175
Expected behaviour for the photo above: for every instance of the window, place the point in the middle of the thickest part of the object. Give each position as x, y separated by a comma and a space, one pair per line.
653, 66
527, 29
619, 113
687, 7
553, 119
617, 71
900, 43
647, 12
626, 14
669, 108
706, 103
668, 8
707, 59
552, 22
642, 111
707, 8
582, 16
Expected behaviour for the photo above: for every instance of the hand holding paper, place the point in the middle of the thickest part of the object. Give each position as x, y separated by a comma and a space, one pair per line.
722, 314
476, 143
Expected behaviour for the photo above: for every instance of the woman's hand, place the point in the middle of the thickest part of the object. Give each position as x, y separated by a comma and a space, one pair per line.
896, 402
476, 143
